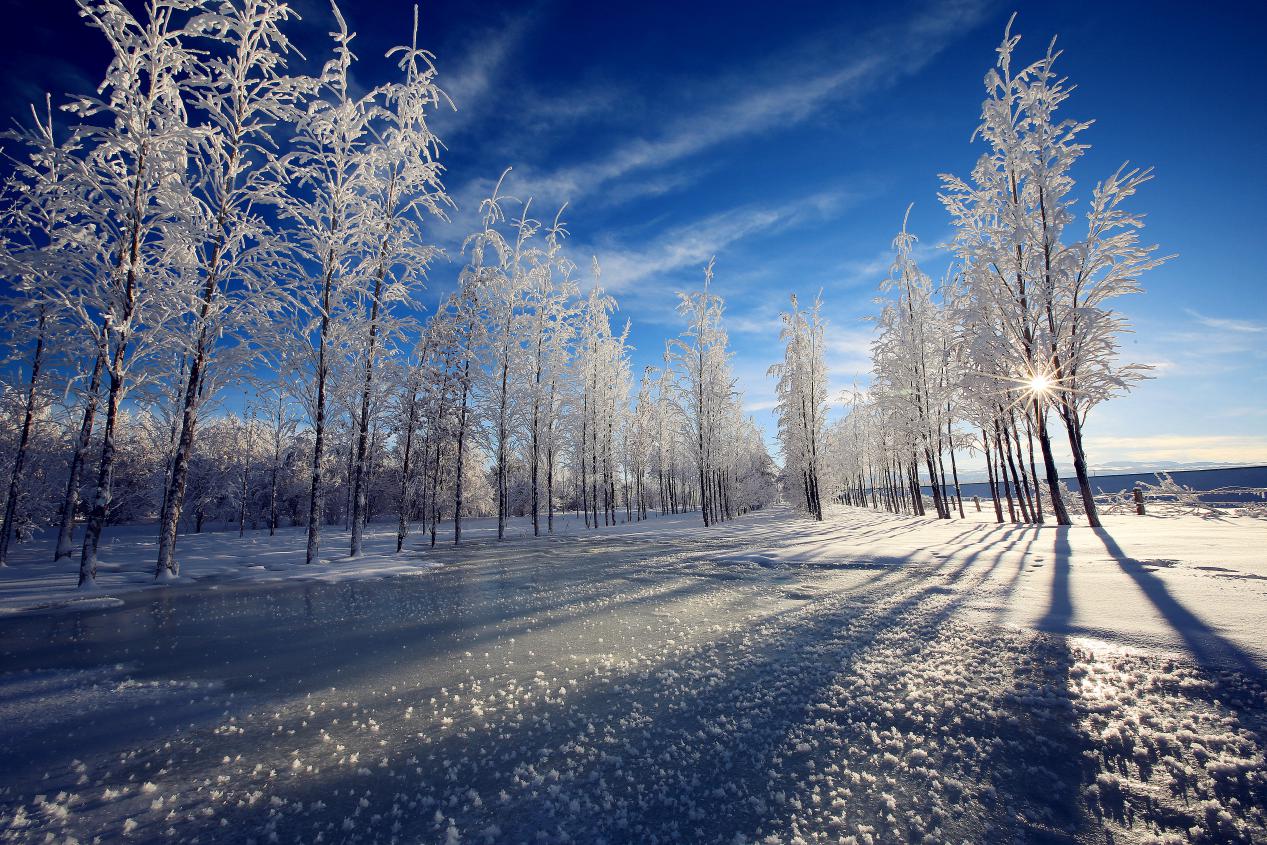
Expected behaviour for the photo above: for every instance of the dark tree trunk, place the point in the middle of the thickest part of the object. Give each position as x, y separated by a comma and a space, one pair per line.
105, 476
406, 485
989, 468
19, 460
461, 438
1007, 487
1053, 477
71, 502
359, 481
1033, 470
1073, 425
316, 501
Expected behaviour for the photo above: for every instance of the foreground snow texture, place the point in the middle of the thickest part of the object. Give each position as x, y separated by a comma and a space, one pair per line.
869, 679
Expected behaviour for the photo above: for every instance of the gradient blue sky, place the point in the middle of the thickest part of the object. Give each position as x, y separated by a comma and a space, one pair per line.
788, 139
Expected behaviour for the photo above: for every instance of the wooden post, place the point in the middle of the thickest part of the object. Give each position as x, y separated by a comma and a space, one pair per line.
1139, 501
976, 500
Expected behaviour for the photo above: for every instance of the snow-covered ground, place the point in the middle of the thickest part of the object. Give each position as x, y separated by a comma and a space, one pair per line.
870, 679
126, 561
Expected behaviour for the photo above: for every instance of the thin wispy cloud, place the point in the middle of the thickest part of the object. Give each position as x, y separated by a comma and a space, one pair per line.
848, 351
786, 98
693, 244
470, 82
1227, 324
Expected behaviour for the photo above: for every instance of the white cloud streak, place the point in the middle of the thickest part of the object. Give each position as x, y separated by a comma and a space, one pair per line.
878, 60
694, 244
1224, 324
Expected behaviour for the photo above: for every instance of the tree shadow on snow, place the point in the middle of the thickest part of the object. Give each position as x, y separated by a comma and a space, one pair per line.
702, 747
1209, 648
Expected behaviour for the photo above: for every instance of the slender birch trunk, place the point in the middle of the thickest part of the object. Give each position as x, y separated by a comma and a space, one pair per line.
71, 501
24, 439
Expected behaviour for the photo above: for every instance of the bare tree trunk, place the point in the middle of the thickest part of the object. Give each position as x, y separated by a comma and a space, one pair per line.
942, 511
71, 502
941, 468
502, 494
105, 475
916, 494
1053, 477
536, 461
435, 488
1073, 426
594, 467
273, 477
359, 482
610, 471
19, 460
1023, 495
989, 468
999, 441
347, 486
242, 500
954, 467
316, 502
461, 438
584, 502
173, 441
406, 500
550, 488
1024, 491
174, 490
1033, 471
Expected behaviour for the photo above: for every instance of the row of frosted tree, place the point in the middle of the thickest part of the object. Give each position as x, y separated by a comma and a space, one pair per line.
1018, 338
214, 266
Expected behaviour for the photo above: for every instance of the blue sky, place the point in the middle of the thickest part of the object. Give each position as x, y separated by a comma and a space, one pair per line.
788, 140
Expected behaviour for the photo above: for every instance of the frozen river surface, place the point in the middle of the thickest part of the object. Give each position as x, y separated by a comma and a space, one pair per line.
873, 679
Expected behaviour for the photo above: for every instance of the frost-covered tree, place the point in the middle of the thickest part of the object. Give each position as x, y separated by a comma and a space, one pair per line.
33, 222
669, 450
549, 303
640, 441
1084, 331
600, 386
705, 396
911, 385
468, 316
802, 394
1056, 333
237, 86
502, 289
400, 176
131, 199
328, 215
275, 406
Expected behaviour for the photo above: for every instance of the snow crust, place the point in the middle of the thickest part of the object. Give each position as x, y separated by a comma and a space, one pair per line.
869, 679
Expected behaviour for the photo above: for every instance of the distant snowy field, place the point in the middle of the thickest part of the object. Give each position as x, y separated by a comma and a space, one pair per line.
873, 678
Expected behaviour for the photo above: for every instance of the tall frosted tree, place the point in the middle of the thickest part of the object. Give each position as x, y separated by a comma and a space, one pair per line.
1051, 295
400, 174
503, 290
50, 257
802, 392
132, 197
238, 86
35, 220
705, 394
550, 313
327, 212
909, 361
